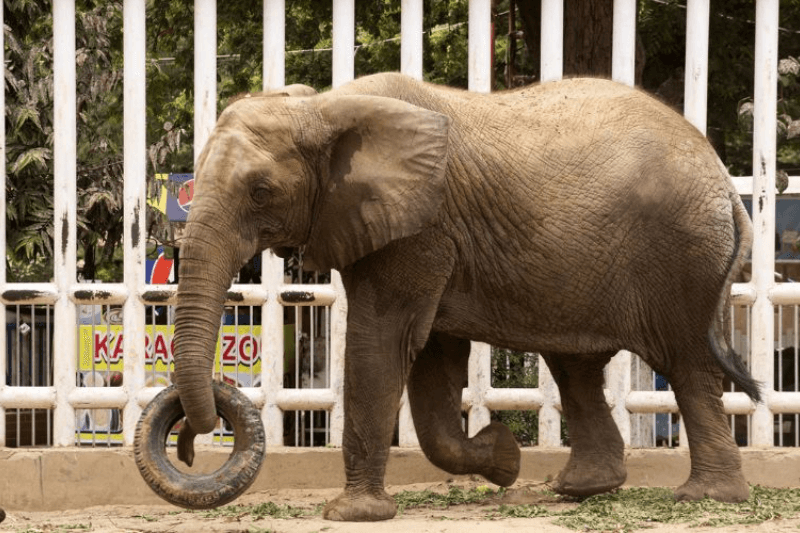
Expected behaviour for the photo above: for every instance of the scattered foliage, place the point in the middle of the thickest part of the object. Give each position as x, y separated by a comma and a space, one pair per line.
454, 496
259, 511
624, 510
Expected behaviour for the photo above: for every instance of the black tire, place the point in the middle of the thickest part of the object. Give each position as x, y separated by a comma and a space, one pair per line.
199, 491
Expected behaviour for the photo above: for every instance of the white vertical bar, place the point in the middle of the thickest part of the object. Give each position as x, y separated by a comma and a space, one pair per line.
549, 416
619, 383
696, 68
623, 64
683, 439
272, 337
134, 193
411, 38
205, 72
480, 46
205, 87
274, 44
479, 381
65, 201
337, 340
344, 15
407, 435
764, 153
272, 348
411, 65
3, 357
623, 58
552, 40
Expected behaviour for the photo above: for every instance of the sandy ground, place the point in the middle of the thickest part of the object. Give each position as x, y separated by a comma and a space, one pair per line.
460, 518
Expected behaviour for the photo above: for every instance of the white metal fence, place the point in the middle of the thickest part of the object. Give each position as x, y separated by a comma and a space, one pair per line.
50, 317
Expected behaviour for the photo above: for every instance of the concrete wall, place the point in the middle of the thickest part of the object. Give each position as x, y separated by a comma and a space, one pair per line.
56, 479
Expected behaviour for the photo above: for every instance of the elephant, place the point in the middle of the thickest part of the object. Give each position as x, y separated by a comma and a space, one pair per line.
573, 218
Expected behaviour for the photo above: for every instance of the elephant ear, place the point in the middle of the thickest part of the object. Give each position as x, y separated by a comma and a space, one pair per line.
385, 178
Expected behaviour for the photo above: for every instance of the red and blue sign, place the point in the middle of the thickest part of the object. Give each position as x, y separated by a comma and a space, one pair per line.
161, 270
178, 204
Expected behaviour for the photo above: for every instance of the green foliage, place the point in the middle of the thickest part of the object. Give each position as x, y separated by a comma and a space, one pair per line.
662, 30
624, 510
29, 129
636, 508
455, 496
259, 511
521, 511
517, 370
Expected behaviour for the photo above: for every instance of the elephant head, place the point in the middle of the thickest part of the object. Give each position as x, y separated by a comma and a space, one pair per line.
340, 175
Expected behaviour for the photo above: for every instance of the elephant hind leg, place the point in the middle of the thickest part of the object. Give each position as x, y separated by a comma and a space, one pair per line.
596, 461
716, 465
437, 378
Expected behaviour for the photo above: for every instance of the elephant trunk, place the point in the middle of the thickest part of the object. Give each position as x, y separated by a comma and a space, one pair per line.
207, 267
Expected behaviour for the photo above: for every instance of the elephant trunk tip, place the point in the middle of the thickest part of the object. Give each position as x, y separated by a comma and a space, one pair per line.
199, 407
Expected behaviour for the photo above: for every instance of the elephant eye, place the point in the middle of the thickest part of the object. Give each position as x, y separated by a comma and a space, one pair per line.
261, 194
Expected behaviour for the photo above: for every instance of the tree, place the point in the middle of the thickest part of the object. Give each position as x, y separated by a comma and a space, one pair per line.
29, 127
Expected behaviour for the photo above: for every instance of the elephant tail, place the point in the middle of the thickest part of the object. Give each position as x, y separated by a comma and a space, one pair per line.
731, 363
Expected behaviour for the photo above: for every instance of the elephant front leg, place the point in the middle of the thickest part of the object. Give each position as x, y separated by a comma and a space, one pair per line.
373, 386
596, 461
392, 298
437, 378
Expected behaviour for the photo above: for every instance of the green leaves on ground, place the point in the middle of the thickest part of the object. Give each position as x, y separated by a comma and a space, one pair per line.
625, 510
259, 511
454, 496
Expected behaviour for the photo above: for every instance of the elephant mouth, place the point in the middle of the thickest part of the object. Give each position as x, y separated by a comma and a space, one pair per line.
296, 253
284, 252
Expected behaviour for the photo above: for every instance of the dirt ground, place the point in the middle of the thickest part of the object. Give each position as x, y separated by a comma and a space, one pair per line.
458, 518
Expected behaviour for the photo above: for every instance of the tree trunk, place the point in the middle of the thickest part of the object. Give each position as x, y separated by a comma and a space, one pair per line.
588, 30
588, 35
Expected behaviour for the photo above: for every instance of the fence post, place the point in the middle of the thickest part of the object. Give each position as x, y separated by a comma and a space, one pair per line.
3, 357
764, 153
272, 347
695, 88
623, 70
344, 30
549, 414
480, 46
552, 41
619, 383
411, 65
274, 44
64, 209
272, 338
623, 59
205, 72
411, 38
479, 381
134, 193
338, 339
205, 88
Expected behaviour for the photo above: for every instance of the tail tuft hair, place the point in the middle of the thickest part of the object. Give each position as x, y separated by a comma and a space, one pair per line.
735, 369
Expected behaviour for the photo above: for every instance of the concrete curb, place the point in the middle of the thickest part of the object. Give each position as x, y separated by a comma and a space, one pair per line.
74, 478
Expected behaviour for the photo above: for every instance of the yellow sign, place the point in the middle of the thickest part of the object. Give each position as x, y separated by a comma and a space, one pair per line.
100, 363
102, 348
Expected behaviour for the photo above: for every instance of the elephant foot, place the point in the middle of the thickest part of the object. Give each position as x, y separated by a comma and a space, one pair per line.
505, 454
361, 506
731, 488
589, 476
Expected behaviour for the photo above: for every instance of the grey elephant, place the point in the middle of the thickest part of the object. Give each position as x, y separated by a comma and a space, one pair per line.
573, 218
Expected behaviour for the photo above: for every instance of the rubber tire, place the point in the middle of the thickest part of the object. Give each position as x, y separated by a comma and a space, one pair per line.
200, 491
